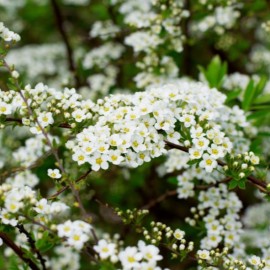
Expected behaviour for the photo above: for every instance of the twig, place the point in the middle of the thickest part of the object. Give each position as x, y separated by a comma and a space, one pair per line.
9, 172
205, 187
160, 199
261, 185
18, 120
82, 177
61, 28
32, 244
21, 254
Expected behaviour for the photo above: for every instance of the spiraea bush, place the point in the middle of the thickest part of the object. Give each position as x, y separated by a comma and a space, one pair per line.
134, 134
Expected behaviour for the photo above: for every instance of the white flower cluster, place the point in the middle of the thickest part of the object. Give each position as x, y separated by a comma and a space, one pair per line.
186, 183
104, 29
66, 258
77, 233
24, 178
103, 55
222, 18
176, 160
143, 41
256, 216
150, 23
33, 149
16, 198
44, 207
7, 35
130, 127
228, 262
143, 257
48, 104
103, 73
259, 59
235, 81
39, 61
219, 209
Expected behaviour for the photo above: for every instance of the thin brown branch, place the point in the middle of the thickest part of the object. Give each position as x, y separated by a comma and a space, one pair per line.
161, 198
19, 121
82, 177
61, 28
32, 244
21, 254
35, 164
261, 185
205, 187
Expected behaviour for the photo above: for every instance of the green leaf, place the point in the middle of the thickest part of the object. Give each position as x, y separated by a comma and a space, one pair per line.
192, 162
261, 85
172, 180
233, 184
215, 72
233, 94
242, 184
13, 264
262, 99
258, 115
248, 95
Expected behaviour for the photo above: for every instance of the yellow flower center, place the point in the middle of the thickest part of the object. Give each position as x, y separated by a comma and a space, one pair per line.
209, 162
76, 237
81, 157
131, 259
99, 161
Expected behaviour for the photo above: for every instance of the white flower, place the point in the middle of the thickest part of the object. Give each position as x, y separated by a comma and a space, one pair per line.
130, 258
80, 157
13, 206
83, 226
65, 229
79, 115
254, 160
188, 120
58, 208
36, 130
45, 119
15, 74
105, 249
115, 156
149, 252
204, 254
195, 153
54, 173
99, 161
137, 143
178, 234
255, 260
5, 108
42, 206
208, 163
215, 151
77, 239
201, 143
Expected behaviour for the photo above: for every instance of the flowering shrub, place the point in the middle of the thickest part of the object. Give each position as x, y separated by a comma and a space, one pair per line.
139, 140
